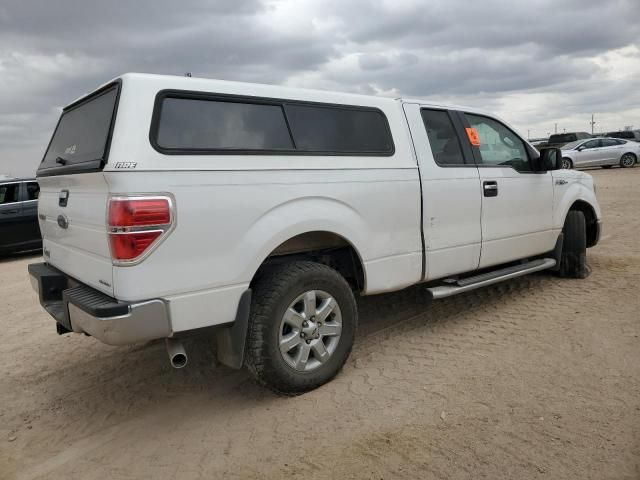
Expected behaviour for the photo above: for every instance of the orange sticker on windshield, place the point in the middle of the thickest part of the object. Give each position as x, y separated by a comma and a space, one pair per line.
474, 138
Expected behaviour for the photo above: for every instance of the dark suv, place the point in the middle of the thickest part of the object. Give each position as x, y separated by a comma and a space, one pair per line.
633, 135
560, 139
19, 229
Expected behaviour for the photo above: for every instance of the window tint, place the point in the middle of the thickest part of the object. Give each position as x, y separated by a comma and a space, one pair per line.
212, 124
563, 138
33, 190
81, 135
591, 144
442, 137
609, 143
499, 145
338, 130
206, 124
9, 193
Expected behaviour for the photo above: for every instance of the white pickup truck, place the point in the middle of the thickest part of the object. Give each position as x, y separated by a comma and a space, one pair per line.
173, 206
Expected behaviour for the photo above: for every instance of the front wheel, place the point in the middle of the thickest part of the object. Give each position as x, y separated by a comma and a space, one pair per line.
301, 327
573, 259
567, 164
627, 160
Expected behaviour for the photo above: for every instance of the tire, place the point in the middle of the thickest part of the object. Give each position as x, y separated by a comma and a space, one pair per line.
284, 288
573, 259
628, 160
567, 163
606, 166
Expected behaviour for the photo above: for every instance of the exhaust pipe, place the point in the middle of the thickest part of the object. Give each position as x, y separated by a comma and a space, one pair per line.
177, 354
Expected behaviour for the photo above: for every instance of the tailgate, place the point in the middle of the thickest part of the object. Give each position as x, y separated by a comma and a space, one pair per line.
75, 236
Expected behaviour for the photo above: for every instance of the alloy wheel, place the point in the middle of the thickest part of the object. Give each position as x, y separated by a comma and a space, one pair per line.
310, 330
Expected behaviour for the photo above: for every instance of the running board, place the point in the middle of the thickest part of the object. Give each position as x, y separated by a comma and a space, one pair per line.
489, 278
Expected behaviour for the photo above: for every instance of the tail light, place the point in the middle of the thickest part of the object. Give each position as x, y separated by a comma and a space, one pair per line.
136, 225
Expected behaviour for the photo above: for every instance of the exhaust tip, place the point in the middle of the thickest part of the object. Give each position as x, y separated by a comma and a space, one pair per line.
177, 354
179, 360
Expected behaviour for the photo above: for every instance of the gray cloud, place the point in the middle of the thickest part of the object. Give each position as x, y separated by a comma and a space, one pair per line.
534, 63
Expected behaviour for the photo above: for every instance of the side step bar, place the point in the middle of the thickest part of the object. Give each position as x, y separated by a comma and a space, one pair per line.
489, 278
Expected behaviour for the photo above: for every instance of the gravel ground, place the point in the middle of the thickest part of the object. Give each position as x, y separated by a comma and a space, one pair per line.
534, 378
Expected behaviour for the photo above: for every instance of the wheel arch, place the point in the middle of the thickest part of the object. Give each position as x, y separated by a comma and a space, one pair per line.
322, 246
591, 220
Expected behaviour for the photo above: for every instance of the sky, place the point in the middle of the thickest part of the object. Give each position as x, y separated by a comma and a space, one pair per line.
536, 63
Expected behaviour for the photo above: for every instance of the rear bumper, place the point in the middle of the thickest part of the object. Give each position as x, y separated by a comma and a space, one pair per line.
80, 308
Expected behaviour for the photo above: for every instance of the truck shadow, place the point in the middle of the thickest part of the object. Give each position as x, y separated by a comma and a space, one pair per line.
128, 374
92, 388
12, 257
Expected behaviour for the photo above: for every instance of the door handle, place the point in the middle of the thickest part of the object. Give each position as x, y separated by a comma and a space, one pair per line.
490, 188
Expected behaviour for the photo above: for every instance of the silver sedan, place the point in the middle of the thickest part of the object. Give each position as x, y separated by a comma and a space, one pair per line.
600, 152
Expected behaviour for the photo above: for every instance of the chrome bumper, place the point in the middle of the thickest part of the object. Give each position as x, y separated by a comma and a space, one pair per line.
80, 308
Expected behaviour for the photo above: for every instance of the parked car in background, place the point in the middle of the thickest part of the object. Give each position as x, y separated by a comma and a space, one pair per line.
600, 152
19, 229
633, 135
558, 140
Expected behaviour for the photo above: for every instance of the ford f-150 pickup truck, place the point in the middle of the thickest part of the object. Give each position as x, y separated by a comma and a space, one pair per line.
176, 206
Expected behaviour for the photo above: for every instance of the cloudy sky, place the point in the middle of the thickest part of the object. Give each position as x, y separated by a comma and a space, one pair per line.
535, 62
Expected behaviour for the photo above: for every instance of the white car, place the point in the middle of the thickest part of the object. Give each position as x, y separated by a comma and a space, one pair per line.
175, 206
600, 152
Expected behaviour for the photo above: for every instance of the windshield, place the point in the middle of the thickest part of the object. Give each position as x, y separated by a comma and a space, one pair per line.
572, 145
82, 134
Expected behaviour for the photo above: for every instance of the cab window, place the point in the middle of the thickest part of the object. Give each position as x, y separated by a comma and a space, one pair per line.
499, 146
442, 137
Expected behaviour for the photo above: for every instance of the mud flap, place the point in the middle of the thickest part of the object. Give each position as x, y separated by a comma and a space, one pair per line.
231, 340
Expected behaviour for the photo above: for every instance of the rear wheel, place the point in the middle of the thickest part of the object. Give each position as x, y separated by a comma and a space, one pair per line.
573, 259
567, 163
627, 160
301, 327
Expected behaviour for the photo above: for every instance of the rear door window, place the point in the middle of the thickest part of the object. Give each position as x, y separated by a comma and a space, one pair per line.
82, 134
9, 193
33, 190
444, 141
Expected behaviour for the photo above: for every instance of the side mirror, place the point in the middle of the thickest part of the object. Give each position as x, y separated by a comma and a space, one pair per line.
550, 159
580, 148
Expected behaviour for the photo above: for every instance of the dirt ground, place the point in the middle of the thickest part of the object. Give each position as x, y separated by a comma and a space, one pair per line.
534, 378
